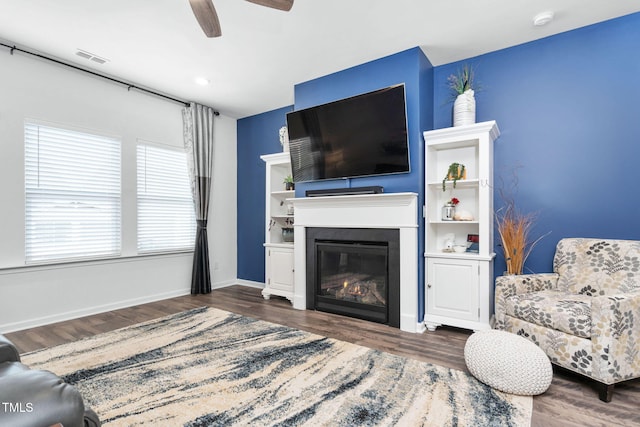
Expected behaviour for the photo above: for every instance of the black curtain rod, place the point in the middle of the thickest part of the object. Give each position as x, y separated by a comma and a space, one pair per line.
128, 85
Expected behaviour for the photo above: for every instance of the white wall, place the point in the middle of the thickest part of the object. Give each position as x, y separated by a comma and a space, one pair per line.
32, 88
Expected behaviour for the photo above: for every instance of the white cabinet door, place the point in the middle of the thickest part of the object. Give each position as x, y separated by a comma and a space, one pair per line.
452, 289
280, 270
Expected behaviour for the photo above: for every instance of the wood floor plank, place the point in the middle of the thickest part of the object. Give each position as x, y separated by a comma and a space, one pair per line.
570, 401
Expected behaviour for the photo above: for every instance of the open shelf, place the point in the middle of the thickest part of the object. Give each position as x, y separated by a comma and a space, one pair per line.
461, 183
284, 194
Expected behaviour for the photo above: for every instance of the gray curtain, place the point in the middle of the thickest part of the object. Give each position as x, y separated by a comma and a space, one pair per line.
198, 142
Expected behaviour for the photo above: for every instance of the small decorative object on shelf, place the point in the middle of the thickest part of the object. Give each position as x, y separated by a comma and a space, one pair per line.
463, 215
455, 172
473, 243
288, 183
464, 106
287, 234
459, 248
284, 138
449, 242
449, 209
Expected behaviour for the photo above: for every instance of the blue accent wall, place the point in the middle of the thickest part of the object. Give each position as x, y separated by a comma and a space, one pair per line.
568, 111
567, 108
257, 135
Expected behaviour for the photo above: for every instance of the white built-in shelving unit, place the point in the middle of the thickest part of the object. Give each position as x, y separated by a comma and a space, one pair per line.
279, 261
459, 288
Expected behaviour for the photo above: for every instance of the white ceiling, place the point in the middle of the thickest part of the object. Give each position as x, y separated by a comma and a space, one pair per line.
263, 52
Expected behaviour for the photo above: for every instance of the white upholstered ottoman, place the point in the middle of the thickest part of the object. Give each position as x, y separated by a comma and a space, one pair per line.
508, 362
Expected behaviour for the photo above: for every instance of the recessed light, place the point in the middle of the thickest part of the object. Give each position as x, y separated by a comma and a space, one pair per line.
542, 18
202, 81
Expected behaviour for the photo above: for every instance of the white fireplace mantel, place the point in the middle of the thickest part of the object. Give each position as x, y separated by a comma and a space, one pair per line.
387, 210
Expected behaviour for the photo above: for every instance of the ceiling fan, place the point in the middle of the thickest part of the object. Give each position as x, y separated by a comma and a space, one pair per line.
208, 18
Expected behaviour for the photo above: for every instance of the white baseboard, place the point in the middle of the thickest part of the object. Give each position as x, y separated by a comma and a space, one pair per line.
249, 283
224, 284
88, 311
69, 315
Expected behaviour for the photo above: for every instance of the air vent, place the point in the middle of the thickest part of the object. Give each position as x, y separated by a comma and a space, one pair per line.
90, 56
83, 54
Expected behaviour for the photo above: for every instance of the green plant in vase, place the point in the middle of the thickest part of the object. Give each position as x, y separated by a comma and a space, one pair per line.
288, 183
455, 172
463, 81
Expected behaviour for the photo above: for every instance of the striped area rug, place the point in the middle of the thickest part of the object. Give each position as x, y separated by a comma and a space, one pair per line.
208, 367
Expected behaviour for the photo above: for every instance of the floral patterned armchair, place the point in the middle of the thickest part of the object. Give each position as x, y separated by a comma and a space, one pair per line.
586, 314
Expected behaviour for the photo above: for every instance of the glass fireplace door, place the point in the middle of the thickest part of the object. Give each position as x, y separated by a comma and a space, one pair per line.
352, 279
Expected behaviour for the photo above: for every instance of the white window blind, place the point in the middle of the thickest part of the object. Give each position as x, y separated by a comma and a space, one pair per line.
72, 188
166, 215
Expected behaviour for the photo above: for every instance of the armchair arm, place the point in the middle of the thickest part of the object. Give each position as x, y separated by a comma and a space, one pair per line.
615, 336
507, 286
8, 351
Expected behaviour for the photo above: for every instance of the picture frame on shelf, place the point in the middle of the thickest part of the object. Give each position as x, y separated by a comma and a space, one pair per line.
473, 243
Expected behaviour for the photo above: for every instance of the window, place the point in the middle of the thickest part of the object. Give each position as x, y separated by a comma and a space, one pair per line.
72, 192
166, 214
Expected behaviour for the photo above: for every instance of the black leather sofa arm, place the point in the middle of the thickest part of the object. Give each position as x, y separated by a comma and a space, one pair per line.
39, 398
8, 351
35, 398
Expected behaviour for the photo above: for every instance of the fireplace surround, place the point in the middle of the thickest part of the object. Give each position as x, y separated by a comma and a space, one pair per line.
386, 211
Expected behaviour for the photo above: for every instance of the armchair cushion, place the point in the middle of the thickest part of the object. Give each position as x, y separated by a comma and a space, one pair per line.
508, 286
552, 309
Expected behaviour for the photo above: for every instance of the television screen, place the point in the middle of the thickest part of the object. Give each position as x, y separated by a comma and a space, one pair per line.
358, 136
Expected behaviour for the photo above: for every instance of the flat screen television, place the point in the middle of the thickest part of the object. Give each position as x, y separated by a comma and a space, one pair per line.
358, 136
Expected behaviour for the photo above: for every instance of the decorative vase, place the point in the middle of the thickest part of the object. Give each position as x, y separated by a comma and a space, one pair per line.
287, 235
448, 211
284, 138
464, 109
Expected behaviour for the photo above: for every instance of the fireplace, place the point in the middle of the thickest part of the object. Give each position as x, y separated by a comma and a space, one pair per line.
384, 211
354, 272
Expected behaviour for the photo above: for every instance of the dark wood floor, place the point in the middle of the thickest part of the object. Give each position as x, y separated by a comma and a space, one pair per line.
570, 401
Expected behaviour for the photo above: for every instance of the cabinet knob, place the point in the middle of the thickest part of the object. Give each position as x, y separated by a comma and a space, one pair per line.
429, 285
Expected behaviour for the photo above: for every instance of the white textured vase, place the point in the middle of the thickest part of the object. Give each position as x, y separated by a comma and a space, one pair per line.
284, 139
464, 109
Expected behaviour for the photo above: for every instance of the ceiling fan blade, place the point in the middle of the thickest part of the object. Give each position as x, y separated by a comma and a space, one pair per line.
275, 4
207, 17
